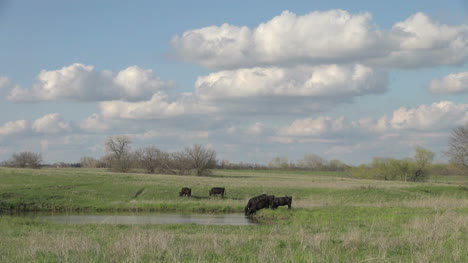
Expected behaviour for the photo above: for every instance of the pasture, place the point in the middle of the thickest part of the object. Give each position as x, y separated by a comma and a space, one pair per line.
333, 218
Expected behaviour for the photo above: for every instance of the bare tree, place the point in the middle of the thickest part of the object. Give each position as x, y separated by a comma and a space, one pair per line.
26, 159
118, 145
458, 146
202, 159
337, 165
181, 162
151, 158
279, 162
118, 151
313, 162
89, 162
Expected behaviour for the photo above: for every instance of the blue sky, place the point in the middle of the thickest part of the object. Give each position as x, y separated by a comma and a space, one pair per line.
347, 80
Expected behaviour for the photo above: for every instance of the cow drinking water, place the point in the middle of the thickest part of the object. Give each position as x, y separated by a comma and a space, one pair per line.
258, 202
218, 191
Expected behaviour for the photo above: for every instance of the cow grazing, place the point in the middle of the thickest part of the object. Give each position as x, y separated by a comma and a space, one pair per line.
258, 202
185, 191
280, 201
218, 191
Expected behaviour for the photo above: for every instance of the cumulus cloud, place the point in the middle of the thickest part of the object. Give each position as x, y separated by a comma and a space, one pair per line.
333, 36
436, 117
177, 135
94, 123
159, 106
79, 82
452, 83
255, 129
288, 90
318, 81
5, 83
136, 83
51, 123
423, 43
257, 90
313, 126
231, 130
13, 127
231, 43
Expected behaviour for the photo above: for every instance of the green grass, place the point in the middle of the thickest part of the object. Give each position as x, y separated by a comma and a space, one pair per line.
334, 218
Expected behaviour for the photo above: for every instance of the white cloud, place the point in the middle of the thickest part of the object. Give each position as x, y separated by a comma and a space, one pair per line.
258, 90
51, 123
313, 126
79, 82
5, 83
281, 139
315, 37
191, 135
346, 149
13, 127
319, 37
255, 129
94, 123
137, 83
425, 43
226, 42
419, 32
436, 116
452, 83
395, 135
44, 145
159, 106
318, 81
177, 135
147, 135
439, 116
231, 130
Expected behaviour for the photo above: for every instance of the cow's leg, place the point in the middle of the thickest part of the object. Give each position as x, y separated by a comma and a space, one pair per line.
252, 211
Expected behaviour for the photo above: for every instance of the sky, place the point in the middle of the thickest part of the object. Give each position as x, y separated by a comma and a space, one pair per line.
253, 80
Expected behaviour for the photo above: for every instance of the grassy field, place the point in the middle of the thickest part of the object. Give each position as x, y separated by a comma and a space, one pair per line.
334, 218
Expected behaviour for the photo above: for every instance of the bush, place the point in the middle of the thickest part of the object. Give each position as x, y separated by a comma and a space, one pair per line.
26, 160
390, 169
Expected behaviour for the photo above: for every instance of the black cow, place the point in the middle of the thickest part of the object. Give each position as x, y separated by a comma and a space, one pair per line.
218, 191
258, 202
185, 191
280, 201
252, 201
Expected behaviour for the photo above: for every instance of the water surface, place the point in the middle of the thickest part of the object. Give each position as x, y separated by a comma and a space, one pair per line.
148, 218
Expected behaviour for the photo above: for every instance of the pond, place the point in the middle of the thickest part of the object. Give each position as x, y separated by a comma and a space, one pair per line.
144, 218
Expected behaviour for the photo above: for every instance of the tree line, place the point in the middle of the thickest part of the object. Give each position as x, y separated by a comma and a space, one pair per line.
199, 159
417, 168
119, 157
